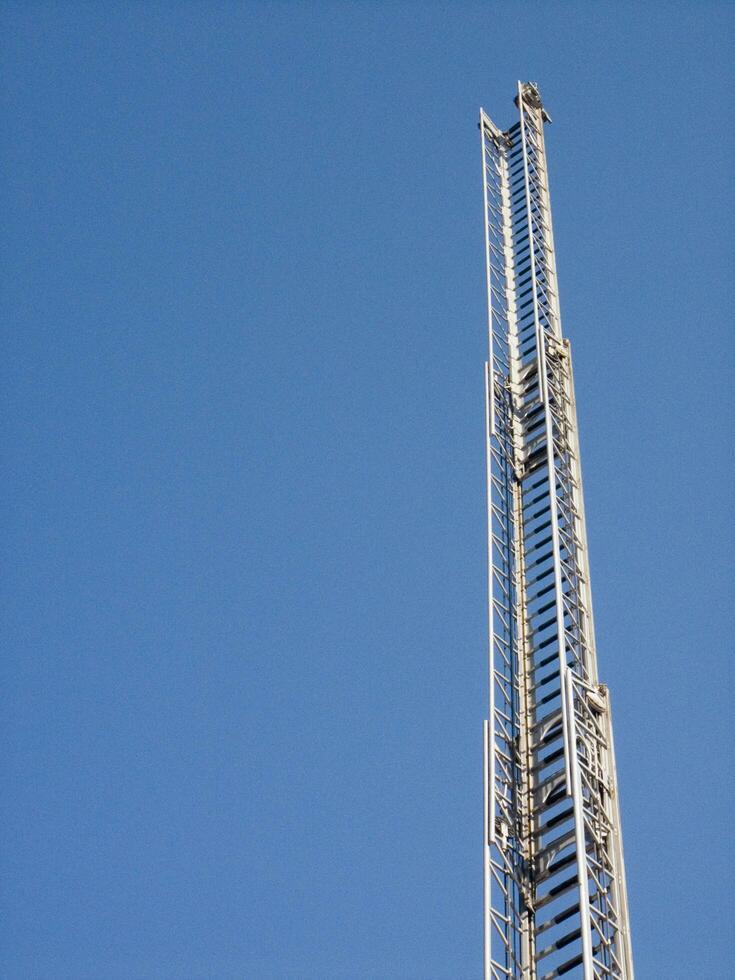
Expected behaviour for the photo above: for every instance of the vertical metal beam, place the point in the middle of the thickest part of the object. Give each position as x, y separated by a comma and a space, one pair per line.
579, 831
621, 890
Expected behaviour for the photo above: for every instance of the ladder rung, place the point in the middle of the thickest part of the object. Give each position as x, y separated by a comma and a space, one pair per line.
560, 917
564, 968
557, 890
560, 943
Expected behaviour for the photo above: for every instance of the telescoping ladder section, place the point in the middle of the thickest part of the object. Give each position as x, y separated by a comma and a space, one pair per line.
555, 897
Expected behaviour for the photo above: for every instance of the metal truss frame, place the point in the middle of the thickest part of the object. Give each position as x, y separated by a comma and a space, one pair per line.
554, 888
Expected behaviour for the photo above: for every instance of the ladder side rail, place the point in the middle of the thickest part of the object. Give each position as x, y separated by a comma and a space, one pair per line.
614, 800
503, 875
531, 123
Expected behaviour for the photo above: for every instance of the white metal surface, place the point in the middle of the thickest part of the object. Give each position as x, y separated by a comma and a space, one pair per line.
555, 898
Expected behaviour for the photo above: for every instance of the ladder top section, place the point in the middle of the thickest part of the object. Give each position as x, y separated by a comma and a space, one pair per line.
531, 96
529, 92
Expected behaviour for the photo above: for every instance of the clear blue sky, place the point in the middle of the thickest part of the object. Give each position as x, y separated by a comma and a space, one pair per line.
244, 545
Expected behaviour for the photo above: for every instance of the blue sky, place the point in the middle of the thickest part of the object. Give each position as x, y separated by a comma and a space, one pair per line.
244, 567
